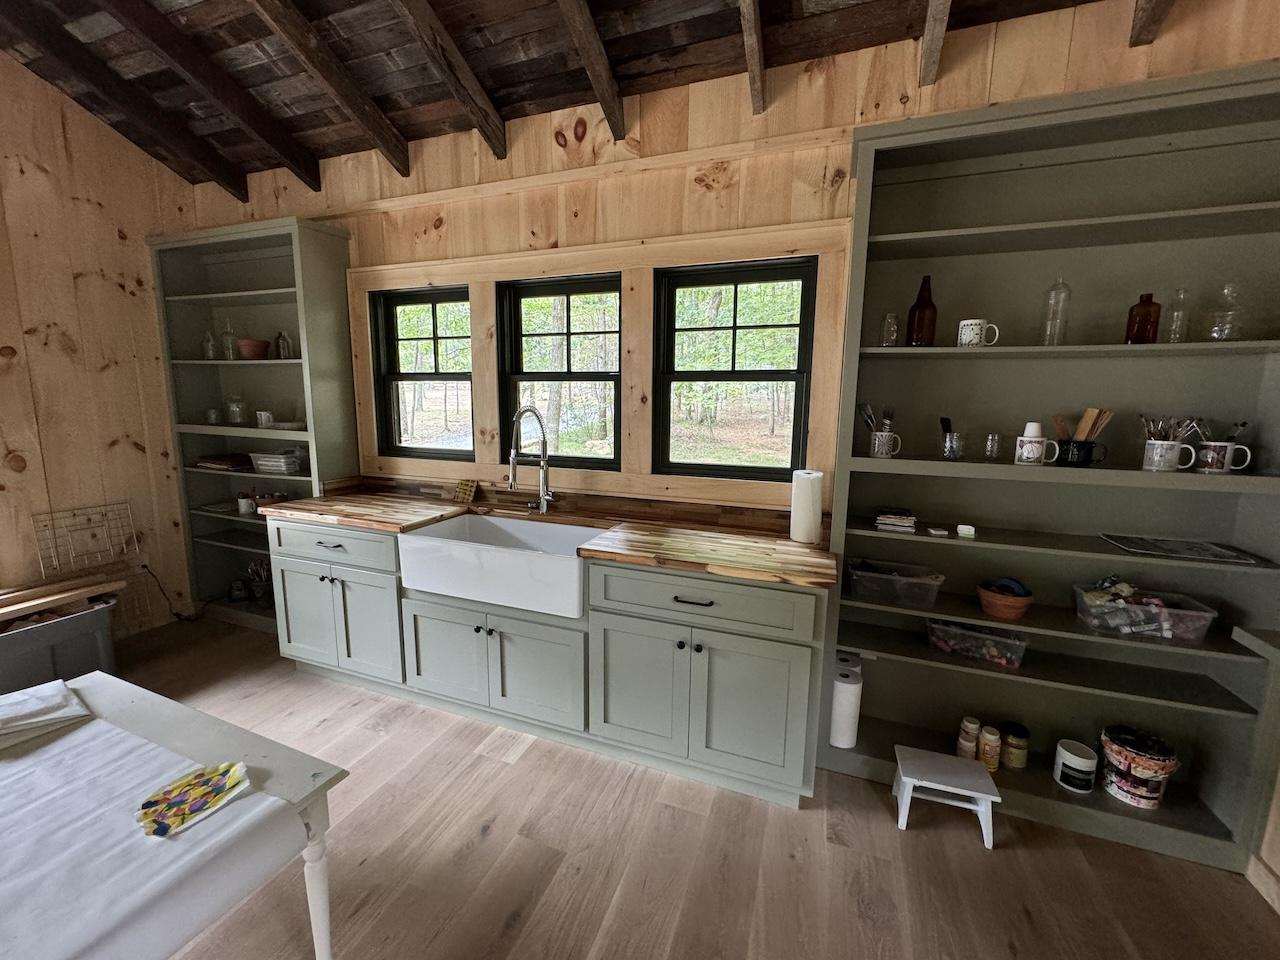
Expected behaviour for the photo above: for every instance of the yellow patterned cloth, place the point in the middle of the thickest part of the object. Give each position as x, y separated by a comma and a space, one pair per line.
190, 798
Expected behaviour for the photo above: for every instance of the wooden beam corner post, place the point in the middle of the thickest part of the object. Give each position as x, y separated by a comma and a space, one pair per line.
586, 37
753, 48
1148, 18
935, 31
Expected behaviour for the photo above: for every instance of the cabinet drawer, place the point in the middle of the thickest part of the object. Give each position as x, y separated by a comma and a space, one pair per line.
334, 545
769, 613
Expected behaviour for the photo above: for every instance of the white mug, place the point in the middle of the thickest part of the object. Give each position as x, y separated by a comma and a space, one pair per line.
973, 333
884, 444
1165, 456
266, 418
1218, 456
1030, 451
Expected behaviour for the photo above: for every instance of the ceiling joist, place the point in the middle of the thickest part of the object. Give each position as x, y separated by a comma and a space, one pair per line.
935, 30
189, 61
1148, 18
453, 71
303, 42
39, 28
753, 47
586, 37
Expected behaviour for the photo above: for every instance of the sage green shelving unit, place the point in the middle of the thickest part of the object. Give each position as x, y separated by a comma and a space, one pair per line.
289, 275
1164, 185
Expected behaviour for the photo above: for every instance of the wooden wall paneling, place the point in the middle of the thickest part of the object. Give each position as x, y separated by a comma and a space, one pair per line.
712, 192
540, 219
888, 81
1031, 56
1100, 55
486, 418
964, 73
175, 202
577, 205
765, 194
718, 111
828, 350
644, 205
664, 121
420, 233
821, 184
636, 355
1211, 34
810, 95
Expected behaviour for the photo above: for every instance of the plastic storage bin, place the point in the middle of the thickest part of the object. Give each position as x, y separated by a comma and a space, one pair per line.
1182, 621
1001, 647
60, 649
894, 584
276, 462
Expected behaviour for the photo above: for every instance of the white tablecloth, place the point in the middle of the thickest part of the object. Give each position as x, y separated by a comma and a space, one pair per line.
79, 879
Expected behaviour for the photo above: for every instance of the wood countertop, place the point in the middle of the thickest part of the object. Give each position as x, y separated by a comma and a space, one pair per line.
384, 512
721, 552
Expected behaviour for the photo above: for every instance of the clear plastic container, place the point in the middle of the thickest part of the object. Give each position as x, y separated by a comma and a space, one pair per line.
1004, 648
894, 584
1183, 621
275, 462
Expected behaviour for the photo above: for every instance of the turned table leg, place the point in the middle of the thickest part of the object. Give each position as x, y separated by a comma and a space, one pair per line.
315, 872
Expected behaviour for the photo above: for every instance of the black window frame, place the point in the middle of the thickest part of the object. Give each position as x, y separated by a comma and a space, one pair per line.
511, 368
666, 283
385, 336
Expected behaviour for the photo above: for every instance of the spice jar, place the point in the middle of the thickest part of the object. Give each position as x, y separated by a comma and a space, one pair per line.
1013, 752
989, 748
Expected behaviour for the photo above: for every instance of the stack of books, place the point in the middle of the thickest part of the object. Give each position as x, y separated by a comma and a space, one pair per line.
896, 520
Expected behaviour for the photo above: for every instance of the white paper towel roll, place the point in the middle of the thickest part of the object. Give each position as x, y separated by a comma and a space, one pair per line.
846, 703
848, 661
806, 506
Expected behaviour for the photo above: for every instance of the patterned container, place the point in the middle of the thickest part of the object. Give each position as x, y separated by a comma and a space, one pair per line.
1137, 765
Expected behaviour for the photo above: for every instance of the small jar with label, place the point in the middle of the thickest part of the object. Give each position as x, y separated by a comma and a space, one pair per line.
989, 748
1013, 751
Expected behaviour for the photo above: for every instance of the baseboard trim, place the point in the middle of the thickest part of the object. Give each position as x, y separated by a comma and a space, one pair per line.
1265, 881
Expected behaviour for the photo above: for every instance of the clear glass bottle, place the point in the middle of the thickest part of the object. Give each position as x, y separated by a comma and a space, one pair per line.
237, 410
1056, 307
1179, 317
889, 330
230, 350
1226, 321
284, 346
208, 350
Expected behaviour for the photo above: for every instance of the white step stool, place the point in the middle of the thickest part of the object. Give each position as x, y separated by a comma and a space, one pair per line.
944, 779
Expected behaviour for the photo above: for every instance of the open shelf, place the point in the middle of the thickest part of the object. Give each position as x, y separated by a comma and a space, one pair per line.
249, 473
1056, 544
1233, 220
235, 297
246, 614
1174, 688
1115, 351
256, 432
237, 363
231, 515
233, 539
1186, 480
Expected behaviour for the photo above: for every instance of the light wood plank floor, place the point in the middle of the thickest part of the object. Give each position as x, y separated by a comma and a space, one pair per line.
458, 840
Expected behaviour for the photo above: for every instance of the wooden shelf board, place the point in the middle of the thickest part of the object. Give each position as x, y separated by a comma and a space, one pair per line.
237, 363
1234, 220
233, 539
242, 614
228, 431
265, 295
1184, 480
1058, 544
249, 473
1116, 351
1188, 691
232, 515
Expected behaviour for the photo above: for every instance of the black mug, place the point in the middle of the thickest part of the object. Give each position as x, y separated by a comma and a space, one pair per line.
1080, 453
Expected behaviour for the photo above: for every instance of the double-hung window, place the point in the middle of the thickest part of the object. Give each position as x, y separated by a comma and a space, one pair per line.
559, 353
731, 368
422, 360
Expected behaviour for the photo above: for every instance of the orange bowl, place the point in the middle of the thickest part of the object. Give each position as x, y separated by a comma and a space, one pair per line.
253, 349
1002, 606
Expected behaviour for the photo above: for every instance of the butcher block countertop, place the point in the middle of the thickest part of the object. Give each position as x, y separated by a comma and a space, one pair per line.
721, 552
385, 512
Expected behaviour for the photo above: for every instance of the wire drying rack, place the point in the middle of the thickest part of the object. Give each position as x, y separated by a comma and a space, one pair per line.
84, 538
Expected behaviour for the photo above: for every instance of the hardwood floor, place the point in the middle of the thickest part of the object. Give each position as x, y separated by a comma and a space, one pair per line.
457, 840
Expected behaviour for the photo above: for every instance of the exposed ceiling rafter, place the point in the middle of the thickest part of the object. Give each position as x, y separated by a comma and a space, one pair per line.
1148, 18
935, 31
586, 37
753, 47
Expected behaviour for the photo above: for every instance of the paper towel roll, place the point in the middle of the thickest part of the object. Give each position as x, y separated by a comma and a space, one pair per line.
806, 506
846, 703
848, 661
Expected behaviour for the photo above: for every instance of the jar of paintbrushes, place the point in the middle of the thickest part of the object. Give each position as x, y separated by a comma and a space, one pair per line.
1167, 449
1078, 444
884, 442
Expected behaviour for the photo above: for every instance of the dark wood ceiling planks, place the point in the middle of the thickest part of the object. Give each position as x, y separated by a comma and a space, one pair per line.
513, 58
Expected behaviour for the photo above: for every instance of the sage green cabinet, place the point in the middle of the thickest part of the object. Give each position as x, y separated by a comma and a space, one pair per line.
446, 650
640, 682
537, 671
305, 626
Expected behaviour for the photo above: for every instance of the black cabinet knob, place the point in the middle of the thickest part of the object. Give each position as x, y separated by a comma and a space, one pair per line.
324, 579
697, 648
680, 644
478, 628
491, 631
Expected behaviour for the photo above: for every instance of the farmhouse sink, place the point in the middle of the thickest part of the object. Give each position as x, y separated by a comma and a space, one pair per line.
526, 564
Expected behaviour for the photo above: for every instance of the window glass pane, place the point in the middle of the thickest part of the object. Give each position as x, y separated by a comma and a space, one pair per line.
593, 312
542, 314
594, 352
455, 356
761, 304
579, 416
767, 349
704, 350
704, 306
413, 320
416, 356
434, 414
732, 423
453, 319
542, 354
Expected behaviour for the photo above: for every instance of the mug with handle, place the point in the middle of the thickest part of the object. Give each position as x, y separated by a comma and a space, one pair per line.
1218, 456
885, 443
973, 333
1165, 456
1034, 451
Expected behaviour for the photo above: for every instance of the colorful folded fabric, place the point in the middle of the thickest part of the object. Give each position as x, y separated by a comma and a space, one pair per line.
190, 798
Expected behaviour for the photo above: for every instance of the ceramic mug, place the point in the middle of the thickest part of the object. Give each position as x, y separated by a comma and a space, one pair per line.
266, 418
1031, 451
973, 333
1080, 453
885, 443
246, 506
1165, 456
1218, 456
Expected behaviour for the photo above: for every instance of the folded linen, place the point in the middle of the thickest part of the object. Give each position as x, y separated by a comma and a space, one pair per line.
35, 711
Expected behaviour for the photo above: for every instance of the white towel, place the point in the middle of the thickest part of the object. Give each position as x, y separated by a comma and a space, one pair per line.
30, 713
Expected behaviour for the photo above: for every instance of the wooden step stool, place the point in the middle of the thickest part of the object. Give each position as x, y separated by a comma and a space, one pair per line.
944, 779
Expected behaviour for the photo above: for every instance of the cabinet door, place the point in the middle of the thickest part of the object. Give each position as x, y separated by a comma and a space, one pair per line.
749, 705
304, 610
640, 682
445, 650
366, 610
537, 671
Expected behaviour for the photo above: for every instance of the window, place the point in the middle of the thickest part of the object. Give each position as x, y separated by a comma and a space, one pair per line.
422, 351
731, 368
559, 352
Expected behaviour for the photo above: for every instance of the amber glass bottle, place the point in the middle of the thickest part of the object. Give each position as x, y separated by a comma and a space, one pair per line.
1144, 321
922, 318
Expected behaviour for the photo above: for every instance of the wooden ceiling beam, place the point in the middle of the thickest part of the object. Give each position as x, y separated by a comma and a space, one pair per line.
189, 61
753, 47
452, 69
38, 27
1148, 18
288, 23
586, 37
935, 30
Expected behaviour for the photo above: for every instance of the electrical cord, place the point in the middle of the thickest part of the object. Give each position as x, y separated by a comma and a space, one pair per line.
173, 612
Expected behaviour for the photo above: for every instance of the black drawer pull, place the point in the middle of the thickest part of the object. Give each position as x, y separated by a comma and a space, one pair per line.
694, 603
680, 644
330, 546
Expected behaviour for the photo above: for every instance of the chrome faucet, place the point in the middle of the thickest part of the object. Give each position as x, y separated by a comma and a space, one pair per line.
545, 496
